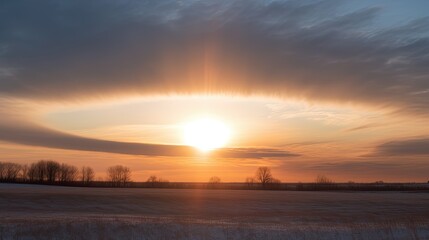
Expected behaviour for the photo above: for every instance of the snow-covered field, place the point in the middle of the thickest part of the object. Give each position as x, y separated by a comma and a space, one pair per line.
48, 212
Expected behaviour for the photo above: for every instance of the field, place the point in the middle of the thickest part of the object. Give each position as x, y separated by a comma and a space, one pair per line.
51, 212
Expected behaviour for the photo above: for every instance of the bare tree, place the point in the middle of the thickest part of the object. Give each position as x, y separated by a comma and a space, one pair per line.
24, 172
38, 171
67, 173
2, 171
250, 181
322, 179
119, 175
9, 172
214, 180
52, 171
44, 170
41, 171
87, 175
263, 175
33, 173
154, 181
13, 171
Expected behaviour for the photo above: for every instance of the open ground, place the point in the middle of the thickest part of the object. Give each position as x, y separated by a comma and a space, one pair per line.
52, 212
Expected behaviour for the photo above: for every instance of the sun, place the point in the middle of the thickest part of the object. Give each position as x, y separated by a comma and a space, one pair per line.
206, 134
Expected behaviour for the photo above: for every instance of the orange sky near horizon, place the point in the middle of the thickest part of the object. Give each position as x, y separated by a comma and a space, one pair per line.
304, 87
328, 139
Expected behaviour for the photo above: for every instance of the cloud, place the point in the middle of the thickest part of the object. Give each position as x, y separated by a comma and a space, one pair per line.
64, 50
364, 127
405, 147
34, 135
54, 51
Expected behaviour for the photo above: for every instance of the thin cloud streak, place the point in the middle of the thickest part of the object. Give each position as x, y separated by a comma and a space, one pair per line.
34, 135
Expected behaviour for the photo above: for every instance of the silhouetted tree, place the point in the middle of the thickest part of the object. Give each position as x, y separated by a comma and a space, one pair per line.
86, 175
9, 172
41, 171
38, 171
24, 172
250, 181
33, 173
44, 170
67, 173
322, 179
52, 171
13, 171
263, 175
2, 171
119, 175
214, 180
154, 181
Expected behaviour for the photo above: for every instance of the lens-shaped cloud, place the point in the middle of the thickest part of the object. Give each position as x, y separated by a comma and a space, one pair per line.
65, 50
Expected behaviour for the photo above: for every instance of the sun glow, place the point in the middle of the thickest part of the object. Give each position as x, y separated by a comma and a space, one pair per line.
206, 134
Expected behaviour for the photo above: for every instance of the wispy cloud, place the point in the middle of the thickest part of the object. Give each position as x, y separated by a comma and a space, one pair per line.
364, 126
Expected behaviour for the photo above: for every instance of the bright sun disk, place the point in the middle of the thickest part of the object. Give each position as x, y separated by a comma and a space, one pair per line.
206, 134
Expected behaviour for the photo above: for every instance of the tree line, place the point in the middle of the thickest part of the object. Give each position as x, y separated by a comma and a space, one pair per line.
52, 172
55, 173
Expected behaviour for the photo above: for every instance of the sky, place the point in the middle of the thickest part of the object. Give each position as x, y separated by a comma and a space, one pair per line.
335, 88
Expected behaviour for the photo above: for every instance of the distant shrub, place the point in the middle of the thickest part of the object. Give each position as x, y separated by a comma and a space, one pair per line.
214, 180
250, 182
322, 179
154, 181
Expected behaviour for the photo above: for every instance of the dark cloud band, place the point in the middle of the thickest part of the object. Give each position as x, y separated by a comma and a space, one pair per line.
68, 50
410, 147
43, 137
63, 50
